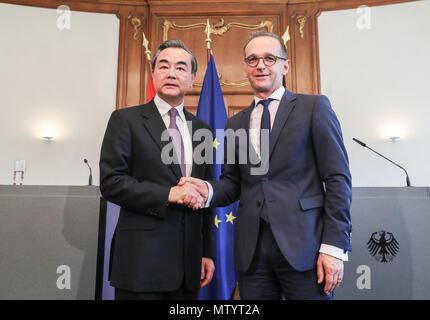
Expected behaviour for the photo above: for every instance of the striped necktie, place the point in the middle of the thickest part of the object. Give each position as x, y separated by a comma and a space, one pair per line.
176, 136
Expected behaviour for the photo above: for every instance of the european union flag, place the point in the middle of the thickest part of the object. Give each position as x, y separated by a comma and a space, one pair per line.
211, 109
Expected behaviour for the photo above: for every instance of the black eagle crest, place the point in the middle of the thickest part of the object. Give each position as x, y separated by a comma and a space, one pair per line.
383, 246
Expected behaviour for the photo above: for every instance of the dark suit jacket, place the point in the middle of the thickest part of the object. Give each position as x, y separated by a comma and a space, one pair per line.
306, 191
155, 244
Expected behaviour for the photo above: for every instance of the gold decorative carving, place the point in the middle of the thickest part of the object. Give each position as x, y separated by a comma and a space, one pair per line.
301, 21
234, 84
136, 22
167, 25
218, 28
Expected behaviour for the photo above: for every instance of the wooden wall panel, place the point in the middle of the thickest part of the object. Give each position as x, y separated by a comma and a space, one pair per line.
149, 16
132, 68
233, 24
304, 72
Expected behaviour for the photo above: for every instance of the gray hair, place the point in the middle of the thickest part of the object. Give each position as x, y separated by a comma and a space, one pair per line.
175, 44
257, 34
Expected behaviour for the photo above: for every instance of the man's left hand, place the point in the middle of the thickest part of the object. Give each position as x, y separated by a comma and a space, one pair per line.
329, 269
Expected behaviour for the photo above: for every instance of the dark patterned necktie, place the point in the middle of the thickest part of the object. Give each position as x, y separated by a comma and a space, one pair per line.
265, 118
265, 125
176, 136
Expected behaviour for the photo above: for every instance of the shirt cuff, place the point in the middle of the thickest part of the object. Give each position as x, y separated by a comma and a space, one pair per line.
211, 193
334, 251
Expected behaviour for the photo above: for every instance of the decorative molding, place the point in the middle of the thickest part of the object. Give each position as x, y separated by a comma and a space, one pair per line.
100, 5
301, 21
234, 84
218, 28
137, 23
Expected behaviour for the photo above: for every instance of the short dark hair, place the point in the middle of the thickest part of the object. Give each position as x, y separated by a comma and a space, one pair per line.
257, 34
175, 44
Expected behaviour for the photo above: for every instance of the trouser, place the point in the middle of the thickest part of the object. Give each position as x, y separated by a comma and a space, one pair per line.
271, 277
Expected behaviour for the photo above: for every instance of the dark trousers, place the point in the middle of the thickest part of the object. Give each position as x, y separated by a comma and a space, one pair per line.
271, 277
180, 294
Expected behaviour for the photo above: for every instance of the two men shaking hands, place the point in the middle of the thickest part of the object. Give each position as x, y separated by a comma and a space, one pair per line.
190, 192
293, 225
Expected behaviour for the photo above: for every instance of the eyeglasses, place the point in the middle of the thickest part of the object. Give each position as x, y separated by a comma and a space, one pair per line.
268, 60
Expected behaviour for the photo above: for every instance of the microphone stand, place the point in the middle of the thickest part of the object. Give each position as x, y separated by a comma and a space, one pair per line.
90, 178
408, 181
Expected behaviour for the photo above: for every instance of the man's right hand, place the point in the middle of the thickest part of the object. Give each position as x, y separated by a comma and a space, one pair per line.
198, 185
188, 194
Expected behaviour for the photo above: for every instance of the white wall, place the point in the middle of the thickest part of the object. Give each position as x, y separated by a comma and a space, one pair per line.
378, 79
65, 79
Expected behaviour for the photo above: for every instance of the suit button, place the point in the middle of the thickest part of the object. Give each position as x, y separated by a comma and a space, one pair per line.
265, 179
258, 203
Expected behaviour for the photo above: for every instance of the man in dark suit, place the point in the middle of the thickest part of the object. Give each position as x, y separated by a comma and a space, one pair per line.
160, 250
293, 224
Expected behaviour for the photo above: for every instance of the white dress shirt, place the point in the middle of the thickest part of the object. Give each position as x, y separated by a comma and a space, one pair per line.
254, 133
163, 107
257, 113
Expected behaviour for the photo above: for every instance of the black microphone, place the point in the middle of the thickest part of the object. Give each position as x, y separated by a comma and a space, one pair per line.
90, 179
408, 182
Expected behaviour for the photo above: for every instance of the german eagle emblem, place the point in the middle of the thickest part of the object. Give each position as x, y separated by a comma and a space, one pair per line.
383, 246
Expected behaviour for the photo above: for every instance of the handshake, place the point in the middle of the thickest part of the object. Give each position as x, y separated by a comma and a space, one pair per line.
189, 192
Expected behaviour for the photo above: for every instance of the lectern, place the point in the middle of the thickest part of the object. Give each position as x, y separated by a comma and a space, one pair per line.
390, 256
55, 243
48, 242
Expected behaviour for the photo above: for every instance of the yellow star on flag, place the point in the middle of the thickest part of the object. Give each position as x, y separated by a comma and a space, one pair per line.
230, 217
215, 144
217, 221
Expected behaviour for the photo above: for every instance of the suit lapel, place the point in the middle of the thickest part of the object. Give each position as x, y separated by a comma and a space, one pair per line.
285, 107
155, 126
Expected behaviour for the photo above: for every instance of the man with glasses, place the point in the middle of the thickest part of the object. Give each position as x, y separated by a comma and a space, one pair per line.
293, 224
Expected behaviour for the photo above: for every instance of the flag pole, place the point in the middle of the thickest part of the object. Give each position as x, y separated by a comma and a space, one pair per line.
151, 92
208, 39
285, 38
145, 43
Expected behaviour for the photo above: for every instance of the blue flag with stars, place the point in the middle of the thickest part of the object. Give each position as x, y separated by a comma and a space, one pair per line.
211, 109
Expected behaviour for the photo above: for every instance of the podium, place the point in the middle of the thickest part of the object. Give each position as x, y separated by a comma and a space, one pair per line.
390, 256
48, 242
377, 268
55, 243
